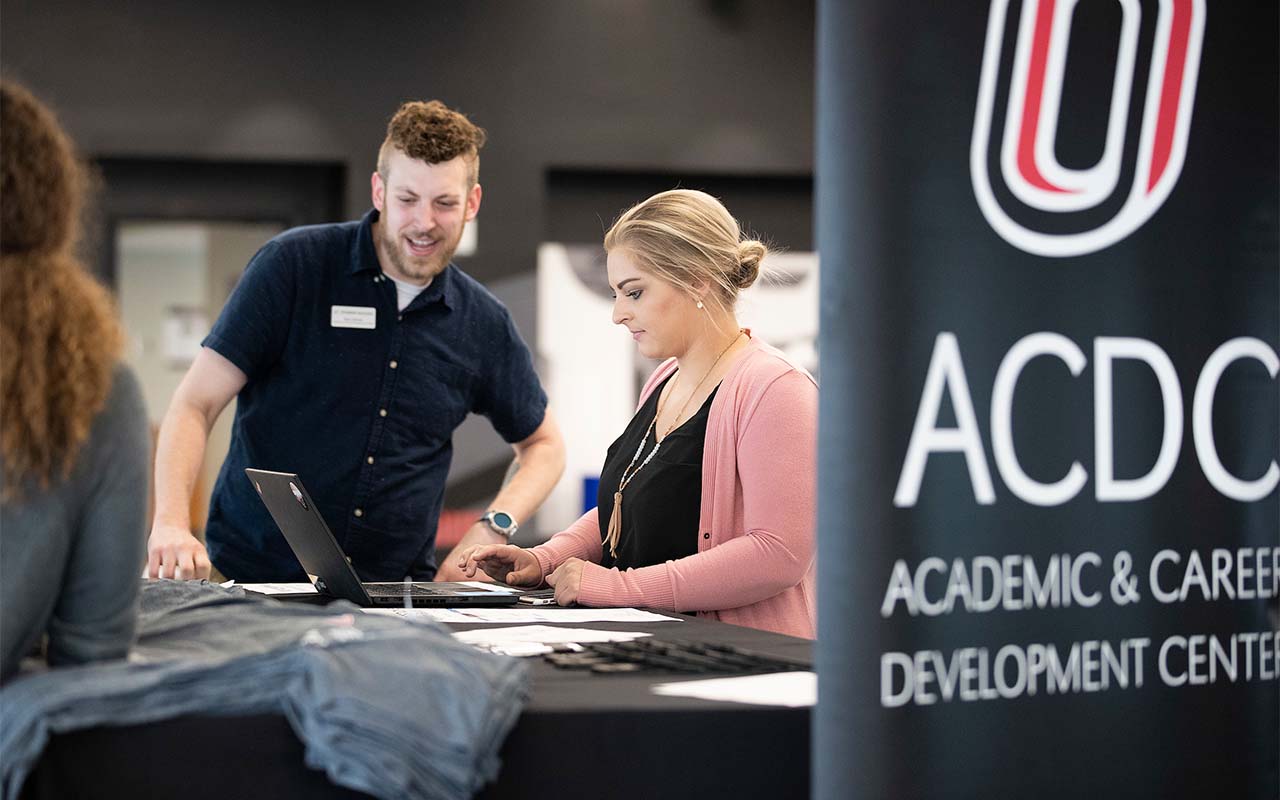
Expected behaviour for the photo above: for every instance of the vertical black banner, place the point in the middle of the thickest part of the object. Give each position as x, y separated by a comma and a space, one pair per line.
1050, 423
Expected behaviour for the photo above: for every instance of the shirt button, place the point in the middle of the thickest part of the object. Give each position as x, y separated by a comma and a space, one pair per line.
706, 536
393, 365
369, 459
359, 512
382, 412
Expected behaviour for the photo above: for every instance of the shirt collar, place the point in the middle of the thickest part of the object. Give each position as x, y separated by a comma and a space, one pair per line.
364, 258
442, 289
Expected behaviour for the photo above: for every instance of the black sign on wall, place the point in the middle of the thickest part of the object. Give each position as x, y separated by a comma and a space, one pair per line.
1049, 516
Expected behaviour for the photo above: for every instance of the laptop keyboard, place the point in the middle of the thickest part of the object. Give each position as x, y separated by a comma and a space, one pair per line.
400, 590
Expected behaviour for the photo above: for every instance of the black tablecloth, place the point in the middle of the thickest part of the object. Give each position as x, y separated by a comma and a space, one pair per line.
581, 735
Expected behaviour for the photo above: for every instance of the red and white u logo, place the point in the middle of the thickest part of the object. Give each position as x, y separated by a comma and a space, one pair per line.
1030, 184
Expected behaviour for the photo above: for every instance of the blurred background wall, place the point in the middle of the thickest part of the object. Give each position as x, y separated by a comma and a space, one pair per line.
203, 111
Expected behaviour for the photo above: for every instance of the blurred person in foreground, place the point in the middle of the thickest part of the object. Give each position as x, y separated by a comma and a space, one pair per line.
73, 440
716, 471
354, 350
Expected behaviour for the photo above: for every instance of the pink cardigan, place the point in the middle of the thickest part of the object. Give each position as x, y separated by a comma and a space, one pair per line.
755, 560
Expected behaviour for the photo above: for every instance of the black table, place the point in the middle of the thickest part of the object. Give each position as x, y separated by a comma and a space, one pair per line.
581, 736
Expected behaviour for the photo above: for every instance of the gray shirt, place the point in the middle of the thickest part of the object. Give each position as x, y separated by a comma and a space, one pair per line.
71, 555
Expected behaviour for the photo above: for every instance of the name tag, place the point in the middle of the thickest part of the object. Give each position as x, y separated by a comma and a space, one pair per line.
353, 317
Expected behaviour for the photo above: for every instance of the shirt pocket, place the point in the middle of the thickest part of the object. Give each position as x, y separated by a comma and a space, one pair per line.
438, 397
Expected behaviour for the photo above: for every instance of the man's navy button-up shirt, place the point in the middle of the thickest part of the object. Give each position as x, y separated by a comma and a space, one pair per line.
364, 415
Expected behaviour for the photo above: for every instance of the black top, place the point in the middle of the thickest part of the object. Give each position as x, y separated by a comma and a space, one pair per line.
662, 503
358, 398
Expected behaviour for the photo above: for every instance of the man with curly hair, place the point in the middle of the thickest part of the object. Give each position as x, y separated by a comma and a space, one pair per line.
355, 350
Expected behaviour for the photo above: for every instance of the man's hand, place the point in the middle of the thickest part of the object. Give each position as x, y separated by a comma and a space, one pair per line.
172, 552
505, 563
206, 389
568, 580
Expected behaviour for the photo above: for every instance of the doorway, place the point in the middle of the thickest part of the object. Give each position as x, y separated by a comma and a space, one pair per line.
172, 239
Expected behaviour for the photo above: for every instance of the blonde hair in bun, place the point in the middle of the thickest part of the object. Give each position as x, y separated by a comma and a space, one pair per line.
750, 254
690, 240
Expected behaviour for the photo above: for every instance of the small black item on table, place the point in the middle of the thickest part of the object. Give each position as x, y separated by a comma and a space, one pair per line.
672, 656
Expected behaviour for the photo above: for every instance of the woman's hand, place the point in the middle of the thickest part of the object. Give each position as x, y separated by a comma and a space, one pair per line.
505, 563
567, 579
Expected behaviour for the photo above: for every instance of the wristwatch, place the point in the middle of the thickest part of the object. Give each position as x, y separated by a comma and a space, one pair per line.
500, 522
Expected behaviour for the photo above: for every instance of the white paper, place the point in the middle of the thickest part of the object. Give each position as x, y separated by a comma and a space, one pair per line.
792, 689
577, 616
529, 640
526, 649
514, 616
420, 614
279, 588
489, 586
545, 634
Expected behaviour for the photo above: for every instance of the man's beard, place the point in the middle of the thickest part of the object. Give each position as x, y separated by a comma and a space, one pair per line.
419, 268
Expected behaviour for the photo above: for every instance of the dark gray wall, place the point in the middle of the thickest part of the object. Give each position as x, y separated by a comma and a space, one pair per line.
676, 87
672, 86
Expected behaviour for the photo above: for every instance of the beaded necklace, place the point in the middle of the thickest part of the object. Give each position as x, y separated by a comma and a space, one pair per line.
615, 518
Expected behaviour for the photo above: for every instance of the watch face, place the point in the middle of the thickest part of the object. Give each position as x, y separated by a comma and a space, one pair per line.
502, 520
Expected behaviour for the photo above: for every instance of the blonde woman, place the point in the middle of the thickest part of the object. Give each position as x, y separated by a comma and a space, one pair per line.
706, 500
73, 442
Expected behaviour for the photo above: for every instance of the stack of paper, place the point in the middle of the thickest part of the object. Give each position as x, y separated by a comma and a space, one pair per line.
531, 640
276, 588
792, 689
512, 616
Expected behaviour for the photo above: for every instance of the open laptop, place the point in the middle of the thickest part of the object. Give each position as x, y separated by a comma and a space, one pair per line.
330, 571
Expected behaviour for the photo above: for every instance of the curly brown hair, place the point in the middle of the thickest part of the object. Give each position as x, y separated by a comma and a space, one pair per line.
434, 133
59, 334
